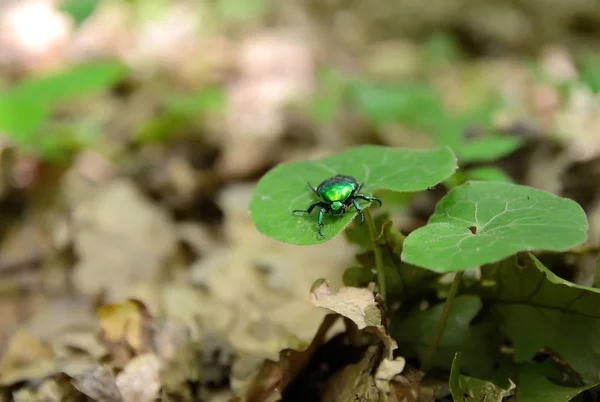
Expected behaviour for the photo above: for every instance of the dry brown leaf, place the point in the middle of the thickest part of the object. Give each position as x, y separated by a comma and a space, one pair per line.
140, 379
355, 382
267, 383
26, 358
386, 371
121, 239
126, 328
52, 390
65, 344
356, 304
99, 384
407, 387
60, 316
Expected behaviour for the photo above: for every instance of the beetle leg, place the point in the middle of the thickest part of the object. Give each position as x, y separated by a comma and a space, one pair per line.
362, 215
320, 220
309, 210
367, 198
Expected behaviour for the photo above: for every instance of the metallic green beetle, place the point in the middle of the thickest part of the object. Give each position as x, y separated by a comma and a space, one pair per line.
336, 194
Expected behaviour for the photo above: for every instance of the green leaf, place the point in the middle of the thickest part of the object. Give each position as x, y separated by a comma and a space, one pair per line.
534, 386
330, 96
482, 222
488, 173
79, 10
19, 118
80, 80
470, 389
284, 188
359, 277
478, 343
207, 99
405, 283
597, 273
441, 48
590, 72
487, 146
416, 105
486, 149
236, 11
537, 309
359, 235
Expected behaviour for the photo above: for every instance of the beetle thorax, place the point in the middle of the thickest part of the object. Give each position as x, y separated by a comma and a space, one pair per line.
338, 192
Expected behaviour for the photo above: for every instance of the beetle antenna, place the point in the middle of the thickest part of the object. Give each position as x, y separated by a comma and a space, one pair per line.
312, 188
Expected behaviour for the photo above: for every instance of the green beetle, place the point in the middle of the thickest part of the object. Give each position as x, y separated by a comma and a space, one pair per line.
336, 194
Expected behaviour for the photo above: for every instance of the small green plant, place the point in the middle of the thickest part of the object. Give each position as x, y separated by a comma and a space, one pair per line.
514, 327
471, 134
27, 109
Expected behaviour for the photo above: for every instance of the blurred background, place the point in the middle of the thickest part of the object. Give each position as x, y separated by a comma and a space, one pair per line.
132, 133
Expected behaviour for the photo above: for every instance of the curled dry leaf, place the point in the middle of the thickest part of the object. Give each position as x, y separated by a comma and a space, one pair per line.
126, 328
356, 304
386, 371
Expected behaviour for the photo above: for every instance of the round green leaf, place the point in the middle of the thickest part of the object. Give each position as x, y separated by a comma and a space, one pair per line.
285, 188
488, 173
483, 222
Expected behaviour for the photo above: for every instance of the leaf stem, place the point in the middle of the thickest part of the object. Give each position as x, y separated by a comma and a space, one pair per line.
433, 348
376, 253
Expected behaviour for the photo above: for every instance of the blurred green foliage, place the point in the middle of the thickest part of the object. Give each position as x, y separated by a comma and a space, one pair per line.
590, 71
79, 10
27, 109
179, 111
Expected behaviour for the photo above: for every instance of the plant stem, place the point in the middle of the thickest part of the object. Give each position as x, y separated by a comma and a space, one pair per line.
442, 325
377, 253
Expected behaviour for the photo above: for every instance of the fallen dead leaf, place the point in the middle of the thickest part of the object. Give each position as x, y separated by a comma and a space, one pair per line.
355, 382
358, 305
26, 358
99, 384
408, 387
52, 390
271, 378
121, 239
140, 380
126, 330
386, 371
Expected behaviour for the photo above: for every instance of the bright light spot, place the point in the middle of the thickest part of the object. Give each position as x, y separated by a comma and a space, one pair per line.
34, 26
